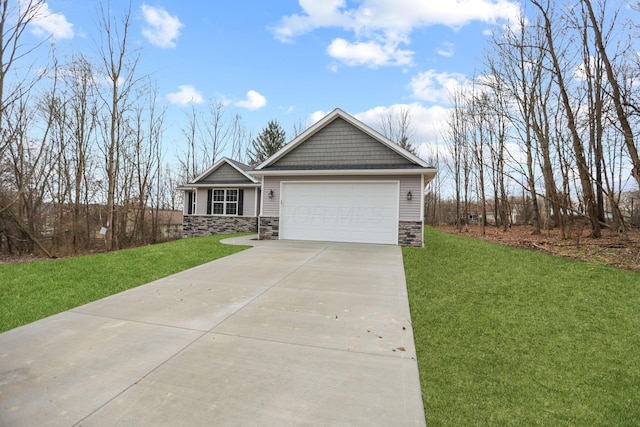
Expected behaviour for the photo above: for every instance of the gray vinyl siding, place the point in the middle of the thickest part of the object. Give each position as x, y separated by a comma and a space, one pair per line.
201, 201
225, 173
249, 202
340, 144
409, 210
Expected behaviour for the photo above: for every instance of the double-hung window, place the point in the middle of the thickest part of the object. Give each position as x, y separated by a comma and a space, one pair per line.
226, 201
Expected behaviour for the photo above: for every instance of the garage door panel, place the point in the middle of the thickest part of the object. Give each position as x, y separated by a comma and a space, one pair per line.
365, 212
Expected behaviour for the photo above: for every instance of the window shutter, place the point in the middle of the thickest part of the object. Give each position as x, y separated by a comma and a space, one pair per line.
240, 202
209, 200
190, 203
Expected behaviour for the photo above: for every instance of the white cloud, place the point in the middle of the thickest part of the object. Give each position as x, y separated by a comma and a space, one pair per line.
427, 123
317, 14
287, 110
47, 23
380, 26
393, 16
161, 29
370, 53
185, 96
446, 49
315, 117
436, 87
254, 101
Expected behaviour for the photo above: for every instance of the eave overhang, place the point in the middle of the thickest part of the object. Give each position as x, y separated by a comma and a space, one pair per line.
428, 173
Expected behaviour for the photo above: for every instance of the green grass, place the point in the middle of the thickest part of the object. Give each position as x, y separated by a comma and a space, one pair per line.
35, 290
514, 337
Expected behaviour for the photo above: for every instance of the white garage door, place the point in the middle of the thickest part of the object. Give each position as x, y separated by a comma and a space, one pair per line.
361, 212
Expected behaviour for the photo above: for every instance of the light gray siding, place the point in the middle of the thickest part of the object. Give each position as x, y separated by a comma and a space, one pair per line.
410, 210
225, 173
201, 201
340, 144
249, 201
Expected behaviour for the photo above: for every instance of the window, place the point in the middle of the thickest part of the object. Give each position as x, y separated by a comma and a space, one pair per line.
191, 202
224, 202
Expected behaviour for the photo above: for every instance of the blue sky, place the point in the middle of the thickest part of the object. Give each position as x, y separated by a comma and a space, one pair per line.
294, 61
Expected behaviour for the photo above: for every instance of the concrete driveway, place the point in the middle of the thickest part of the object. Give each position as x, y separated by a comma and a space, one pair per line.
285, 333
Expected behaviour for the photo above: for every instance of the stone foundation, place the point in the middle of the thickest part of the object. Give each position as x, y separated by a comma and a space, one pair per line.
269, 228
200, 225
410, 233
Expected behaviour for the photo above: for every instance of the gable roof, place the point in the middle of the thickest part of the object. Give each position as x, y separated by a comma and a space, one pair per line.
240, 170
395, 157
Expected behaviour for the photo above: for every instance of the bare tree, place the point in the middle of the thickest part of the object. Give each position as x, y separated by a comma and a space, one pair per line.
458, 147
191, 163
146, 161
615, 93
396, 125
118, 68
215, 131
75, 116
240, 137
479, 117
559, 71
14, 19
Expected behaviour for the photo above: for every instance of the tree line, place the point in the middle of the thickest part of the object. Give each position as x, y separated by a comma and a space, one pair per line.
552, 118
551, 124
82, 161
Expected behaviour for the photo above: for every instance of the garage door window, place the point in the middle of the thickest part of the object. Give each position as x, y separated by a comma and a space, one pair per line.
224, 202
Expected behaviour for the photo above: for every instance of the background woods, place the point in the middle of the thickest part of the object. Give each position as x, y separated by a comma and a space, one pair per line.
548, 131
545, 133
83, 158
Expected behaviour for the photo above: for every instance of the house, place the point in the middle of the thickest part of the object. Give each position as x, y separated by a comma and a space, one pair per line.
223, 199
337, 181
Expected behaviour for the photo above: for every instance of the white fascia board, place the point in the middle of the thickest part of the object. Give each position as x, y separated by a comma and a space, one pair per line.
429, 173
217, 165
210, 185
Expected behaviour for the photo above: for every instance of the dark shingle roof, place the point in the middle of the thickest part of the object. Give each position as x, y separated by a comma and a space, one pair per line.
242, 166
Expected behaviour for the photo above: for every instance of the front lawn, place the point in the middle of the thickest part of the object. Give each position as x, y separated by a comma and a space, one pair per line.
35, 290
514, 337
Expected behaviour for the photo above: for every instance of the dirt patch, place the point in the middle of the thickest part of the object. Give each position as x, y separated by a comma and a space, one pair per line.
621, 250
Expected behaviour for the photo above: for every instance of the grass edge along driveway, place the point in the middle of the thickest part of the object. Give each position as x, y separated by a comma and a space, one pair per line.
509, 336
35, 290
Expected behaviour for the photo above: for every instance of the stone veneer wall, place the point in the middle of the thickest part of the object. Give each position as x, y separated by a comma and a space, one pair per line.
410, 233
200, 225
269, 228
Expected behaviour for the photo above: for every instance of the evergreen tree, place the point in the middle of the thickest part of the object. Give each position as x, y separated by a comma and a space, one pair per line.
270, 140
407, 145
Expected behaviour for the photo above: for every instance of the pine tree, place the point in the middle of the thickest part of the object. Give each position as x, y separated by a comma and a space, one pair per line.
267, 143
407, 145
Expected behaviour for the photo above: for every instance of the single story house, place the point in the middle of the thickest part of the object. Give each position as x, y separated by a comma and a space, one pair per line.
223, 199
337, 181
